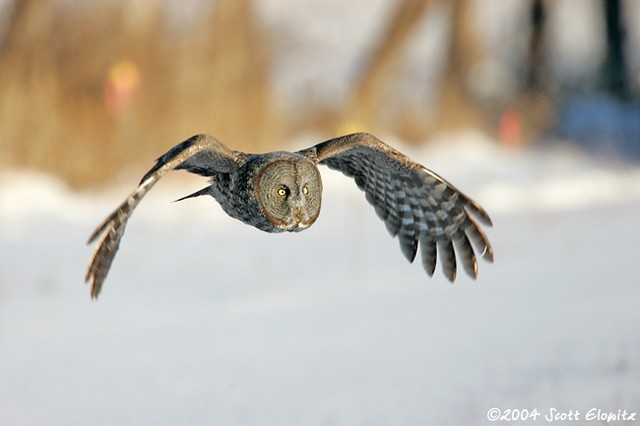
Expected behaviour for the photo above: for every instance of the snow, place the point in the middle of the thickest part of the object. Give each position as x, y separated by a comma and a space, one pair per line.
204, 320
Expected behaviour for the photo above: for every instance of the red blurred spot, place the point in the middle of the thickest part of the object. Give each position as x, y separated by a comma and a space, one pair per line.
510, 131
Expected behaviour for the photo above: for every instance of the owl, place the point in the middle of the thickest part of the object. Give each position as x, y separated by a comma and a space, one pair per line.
282, 191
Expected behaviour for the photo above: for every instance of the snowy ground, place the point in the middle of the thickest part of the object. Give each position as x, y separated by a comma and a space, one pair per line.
205, 321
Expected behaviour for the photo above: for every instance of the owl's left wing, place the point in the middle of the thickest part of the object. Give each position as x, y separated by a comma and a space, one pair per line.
417, 205
200, 154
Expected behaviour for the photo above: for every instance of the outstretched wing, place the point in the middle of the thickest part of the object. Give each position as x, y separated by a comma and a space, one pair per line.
417, 205
200, 154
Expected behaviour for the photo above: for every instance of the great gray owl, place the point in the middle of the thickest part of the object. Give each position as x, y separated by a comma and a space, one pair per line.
282, 191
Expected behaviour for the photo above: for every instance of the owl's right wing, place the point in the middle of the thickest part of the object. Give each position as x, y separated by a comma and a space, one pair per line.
200, 154
416, 205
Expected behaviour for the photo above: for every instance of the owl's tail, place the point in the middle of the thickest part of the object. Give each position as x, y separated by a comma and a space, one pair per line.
203, 191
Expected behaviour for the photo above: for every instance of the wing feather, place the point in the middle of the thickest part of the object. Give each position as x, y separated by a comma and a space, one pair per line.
466, 255
429, 254
448, 259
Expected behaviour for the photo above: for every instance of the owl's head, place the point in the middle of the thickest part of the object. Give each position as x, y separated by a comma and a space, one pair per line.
289, 192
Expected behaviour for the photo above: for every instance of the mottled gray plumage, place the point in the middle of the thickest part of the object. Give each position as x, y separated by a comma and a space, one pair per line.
282, 191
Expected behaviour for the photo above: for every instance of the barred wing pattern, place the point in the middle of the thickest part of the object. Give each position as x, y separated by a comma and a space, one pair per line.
200, 154
416, 205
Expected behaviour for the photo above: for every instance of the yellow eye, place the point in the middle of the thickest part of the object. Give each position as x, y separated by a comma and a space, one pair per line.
305, 190
282, 192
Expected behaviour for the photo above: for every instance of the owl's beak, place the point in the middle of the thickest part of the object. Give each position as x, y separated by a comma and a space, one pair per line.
301, 220
299, 216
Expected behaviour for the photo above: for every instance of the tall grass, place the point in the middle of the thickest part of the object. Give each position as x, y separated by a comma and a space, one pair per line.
89, 89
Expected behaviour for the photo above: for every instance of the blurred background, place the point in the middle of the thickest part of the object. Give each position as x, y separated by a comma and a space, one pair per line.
531, 107
88, 88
